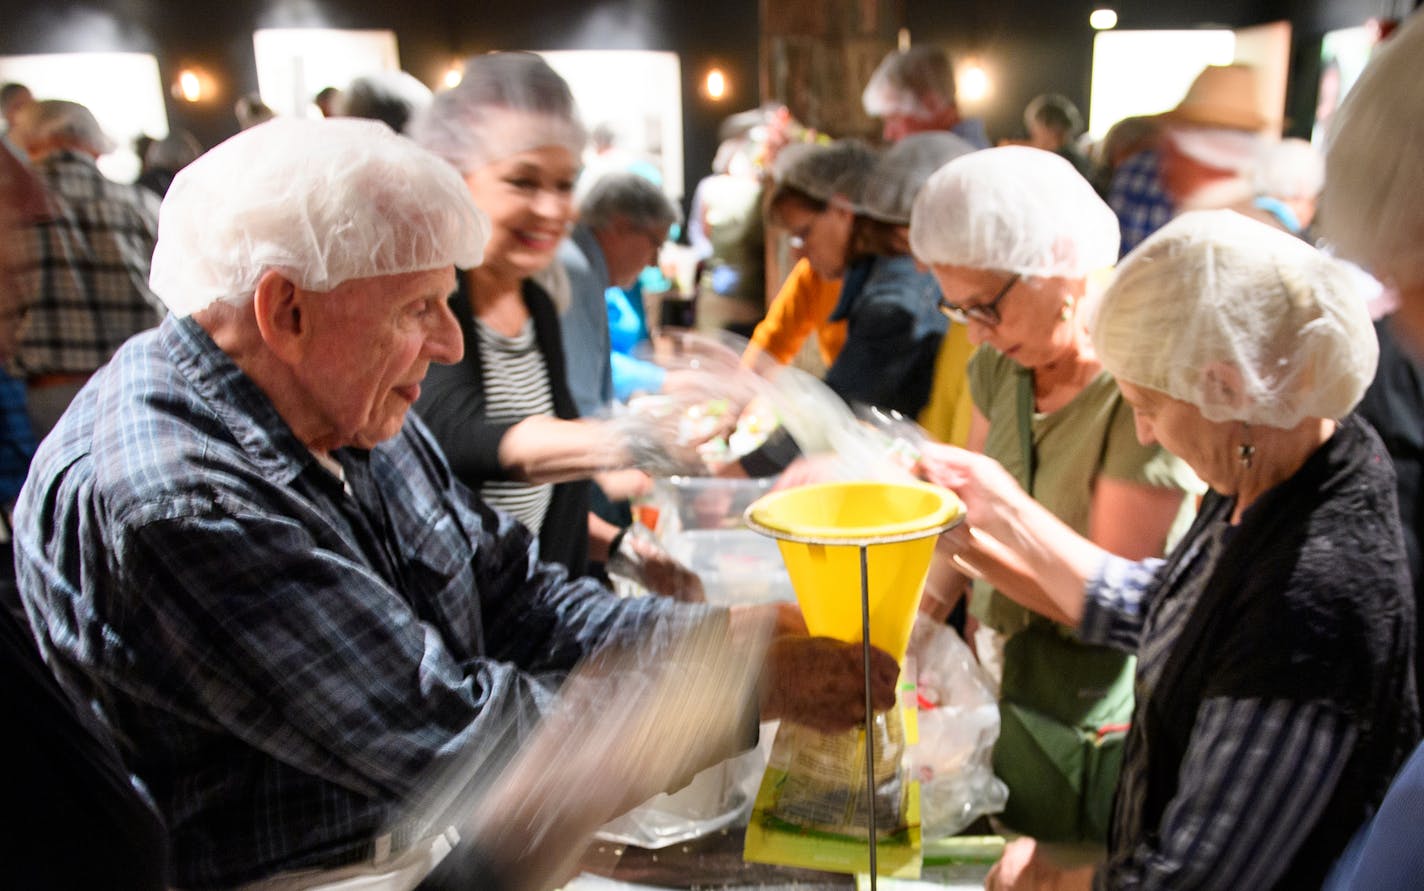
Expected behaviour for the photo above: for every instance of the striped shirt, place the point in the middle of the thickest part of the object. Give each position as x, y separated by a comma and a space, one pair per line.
84, 270
1246, 764
516, 387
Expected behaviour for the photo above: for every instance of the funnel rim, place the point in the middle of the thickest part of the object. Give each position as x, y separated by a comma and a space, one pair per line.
950, 514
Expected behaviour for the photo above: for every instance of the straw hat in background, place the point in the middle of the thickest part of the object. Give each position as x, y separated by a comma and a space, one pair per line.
1227, 97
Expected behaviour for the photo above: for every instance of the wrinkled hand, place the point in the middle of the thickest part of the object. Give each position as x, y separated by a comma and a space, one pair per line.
820, 682
986, 488
657, 570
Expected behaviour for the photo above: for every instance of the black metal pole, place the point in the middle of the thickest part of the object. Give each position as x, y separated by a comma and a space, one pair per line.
869, 711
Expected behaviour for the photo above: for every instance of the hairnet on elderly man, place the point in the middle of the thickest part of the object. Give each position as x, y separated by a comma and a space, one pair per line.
1275, 642
239, 549
912, 91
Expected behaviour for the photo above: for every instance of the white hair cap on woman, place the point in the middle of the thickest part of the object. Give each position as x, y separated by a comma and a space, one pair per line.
901, 172
1243, 321
504, 104
1014, 209
320, 201
1372, 209
822, 172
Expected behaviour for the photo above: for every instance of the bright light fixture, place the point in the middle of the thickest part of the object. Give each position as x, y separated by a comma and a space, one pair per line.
454, 74
1103, 19
716, 84
973, 82
190, 85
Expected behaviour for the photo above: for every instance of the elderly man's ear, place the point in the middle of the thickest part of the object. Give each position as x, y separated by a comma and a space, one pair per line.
278, 305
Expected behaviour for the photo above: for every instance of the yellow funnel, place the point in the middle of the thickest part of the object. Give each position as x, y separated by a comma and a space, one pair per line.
821, 528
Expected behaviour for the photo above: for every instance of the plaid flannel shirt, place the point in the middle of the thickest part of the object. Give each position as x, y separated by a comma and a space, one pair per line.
1137, 197
282, 657
84, 269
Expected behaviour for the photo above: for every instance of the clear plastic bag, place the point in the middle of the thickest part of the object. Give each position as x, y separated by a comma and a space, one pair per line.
958, 724
717, 797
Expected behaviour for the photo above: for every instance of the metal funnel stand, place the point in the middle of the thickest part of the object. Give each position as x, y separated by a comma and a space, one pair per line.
862, 537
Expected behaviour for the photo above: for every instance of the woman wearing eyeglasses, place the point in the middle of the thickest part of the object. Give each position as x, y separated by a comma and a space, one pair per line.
886, 301
1013, 235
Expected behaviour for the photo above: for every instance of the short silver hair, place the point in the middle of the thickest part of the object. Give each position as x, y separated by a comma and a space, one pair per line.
630, 197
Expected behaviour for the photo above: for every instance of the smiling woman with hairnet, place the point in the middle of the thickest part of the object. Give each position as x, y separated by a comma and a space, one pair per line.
1275, 643
504, 414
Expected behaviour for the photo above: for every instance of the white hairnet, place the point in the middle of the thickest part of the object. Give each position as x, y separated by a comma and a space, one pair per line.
505, 103
1217, 147
917, 82
824, 171
1291, 168
321, 201
1217, 290
1014, 209
902, 171
1372, 209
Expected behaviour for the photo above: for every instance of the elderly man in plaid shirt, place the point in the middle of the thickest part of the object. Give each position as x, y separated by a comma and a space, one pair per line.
86, 277
240, 550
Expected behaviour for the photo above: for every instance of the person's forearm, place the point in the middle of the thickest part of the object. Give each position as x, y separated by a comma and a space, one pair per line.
1037, 560
945, 583
601, 535
541, 449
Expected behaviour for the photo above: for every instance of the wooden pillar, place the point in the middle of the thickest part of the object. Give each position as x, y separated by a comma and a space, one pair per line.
816, 58
817, 55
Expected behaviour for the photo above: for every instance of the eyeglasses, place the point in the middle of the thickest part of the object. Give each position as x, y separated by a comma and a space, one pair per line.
983, 313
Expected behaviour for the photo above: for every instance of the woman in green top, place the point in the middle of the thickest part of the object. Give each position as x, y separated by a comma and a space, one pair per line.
1012, 235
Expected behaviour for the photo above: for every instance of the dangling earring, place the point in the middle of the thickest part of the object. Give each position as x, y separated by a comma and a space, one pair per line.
1246, 451
1067, 310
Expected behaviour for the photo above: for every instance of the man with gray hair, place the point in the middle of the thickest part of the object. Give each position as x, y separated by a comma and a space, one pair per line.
246, 558
84, 274
913, 91
623, 221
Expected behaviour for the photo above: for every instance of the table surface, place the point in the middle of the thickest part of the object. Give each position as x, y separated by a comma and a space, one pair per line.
715, 862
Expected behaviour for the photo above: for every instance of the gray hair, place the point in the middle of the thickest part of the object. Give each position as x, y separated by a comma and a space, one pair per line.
905, 79
1055, 111
630, 197
68, 123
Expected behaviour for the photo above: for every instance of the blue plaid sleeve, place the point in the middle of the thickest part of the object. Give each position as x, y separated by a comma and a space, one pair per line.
1114, 602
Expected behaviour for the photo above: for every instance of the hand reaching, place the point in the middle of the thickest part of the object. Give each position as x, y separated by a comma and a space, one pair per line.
988, 491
